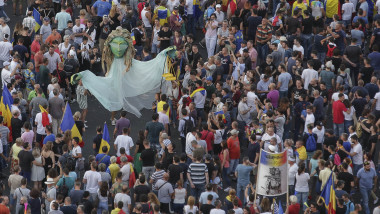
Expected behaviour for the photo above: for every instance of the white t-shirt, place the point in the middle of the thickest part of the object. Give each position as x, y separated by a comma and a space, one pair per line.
125, 170
308, 75
40, 127
310, 119
377, 97
293, 170
5, 48
5, 76
93, 179
78, 29
77, 150
335, 96
320, 134
163, 118
349, 116
348, 10
189, 7
358, 158
123, 141
302, 182
217, 211
126, 199
300, 49
251, 97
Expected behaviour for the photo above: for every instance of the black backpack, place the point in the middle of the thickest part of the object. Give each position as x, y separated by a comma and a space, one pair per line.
70, 162
189, 125
63, 189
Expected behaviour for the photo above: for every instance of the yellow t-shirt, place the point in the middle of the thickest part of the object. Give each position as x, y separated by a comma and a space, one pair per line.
302, 155
15, 150
160, 107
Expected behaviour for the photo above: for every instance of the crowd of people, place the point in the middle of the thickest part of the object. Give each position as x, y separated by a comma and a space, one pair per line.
301, 77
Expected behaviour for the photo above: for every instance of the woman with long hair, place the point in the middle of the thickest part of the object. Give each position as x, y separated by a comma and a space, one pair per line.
79, 122
114, 16
17, 32
348, 117
28, 135
179, 198
38, 172
152, 200
190, 207
264, 206
224, 157
103, 197
302, 185
48, 155
139, 148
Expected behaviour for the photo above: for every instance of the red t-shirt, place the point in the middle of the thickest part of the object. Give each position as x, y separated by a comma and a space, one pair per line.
35, 47
209, 138
234, 147
338, 109
294, 209
4, 209
129, 158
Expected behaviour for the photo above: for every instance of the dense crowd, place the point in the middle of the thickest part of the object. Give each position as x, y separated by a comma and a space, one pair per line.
277, 75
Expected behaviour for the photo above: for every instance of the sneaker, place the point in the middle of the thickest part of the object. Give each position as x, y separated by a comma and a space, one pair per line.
227, 189
114, 122
375, 201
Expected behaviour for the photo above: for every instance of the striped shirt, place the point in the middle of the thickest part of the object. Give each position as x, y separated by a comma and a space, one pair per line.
263, 33
157, 175
4, 131
198, 172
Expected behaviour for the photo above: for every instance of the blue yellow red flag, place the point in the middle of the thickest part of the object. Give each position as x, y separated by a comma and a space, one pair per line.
328, 195
105, 139
37, 18
202, 90
5, 106
68, 123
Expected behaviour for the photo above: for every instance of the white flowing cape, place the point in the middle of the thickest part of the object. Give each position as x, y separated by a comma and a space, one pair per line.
132, 90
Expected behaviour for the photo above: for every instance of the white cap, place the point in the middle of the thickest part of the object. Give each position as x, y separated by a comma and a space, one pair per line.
218, 5
6, 63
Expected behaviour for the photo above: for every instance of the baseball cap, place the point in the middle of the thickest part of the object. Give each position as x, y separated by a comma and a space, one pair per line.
175, 8
46, 19
218, 5
6, 63
319, 123
291, 159
146, 5
209, 78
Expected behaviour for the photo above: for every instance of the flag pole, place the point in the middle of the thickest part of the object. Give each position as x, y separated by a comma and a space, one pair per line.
258, 170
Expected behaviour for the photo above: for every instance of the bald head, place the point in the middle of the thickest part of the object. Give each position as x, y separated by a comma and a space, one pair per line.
166, 176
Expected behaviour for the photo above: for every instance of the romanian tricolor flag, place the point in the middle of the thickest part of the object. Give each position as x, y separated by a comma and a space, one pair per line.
105, 139
133, 36
332, 7
222, 113
5, 107
328, 195
45, 116
201, 89
233, 6
68, 123
37, 18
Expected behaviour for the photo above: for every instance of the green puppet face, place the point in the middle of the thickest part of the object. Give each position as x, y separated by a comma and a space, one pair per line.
118, 46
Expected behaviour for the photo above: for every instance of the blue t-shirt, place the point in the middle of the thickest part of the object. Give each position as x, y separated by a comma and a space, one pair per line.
347, 146
103, 8
105, 160
375, 60
284, 78
366, 178
317, 43
340, 41
22, 50
48, 138
243, 173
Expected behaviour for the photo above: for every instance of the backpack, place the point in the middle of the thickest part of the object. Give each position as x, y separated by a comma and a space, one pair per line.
68, 67
337, 160
70, 162
359, 129
330, 50
189, 125
311, 143
63, 189
346, 81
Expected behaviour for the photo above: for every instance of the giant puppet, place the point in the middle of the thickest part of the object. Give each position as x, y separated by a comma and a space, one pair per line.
129, 84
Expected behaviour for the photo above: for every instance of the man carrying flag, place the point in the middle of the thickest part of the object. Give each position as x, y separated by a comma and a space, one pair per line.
42, 120
199, 98
328, 195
